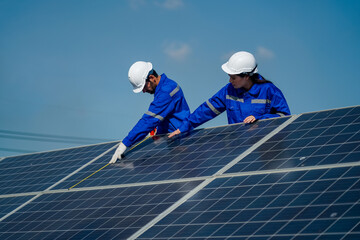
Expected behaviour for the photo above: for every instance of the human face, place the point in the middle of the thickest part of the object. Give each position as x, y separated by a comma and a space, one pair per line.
240, 81
150, 85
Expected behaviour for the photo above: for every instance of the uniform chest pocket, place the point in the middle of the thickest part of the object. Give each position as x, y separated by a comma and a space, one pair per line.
234, 107
234, 111
260, 106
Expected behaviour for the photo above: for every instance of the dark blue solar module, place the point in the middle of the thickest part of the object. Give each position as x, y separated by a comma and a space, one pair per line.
9, 204
36, 172
265, 195
200, 153
319, 138
94, 214
313, 204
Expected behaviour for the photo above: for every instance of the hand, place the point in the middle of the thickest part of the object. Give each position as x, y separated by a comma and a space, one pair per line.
249, 119
119, 151
176, 132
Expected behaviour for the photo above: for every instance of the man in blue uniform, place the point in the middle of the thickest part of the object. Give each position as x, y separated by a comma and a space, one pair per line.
166, 112
248, 96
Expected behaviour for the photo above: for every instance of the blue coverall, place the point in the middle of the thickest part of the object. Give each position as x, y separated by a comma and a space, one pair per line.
263, 101
166, 112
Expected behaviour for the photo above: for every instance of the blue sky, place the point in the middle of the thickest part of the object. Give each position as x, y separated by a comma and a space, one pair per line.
64, 64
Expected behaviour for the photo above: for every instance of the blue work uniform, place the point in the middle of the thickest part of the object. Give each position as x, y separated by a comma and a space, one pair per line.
166, 112
263, 100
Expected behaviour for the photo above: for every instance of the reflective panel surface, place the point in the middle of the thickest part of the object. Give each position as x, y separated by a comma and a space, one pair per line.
315, 204
37, 172
96, 214
200, 153
320, 138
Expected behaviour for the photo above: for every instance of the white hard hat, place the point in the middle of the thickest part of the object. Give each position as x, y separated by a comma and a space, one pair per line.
138, 73
240, 62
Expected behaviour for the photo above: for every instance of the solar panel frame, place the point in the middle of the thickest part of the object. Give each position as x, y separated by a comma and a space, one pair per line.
295, 146
269, 217
9, 204
39, 171
185, 157
265, 214
84, 212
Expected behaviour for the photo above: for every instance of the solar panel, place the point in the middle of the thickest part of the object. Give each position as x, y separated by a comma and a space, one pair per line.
92, 214
10, 203
37, 172
295, 204
313, 139
202, 153
294, 177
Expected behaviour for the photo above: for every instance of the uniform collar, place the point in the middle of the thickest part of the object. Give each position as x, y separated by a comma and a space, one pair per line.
161, 83
254, 89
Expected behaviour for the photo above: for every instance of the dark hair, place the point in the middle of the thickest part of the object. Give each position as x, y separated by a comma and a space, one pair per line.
152, 72
255, 77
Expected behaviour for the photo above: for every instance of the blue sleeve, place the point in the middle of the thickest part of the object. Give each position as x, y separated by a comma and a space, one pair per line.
145, 125
158, 110
206, 111
278, 104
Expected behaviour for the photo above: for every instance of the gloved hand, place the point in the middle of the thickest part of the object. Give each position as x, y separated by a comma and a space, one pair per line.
119, 151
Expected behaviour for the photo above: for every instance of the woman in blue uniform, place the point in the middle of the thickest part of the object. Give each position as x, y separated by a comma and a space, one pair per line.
247, 97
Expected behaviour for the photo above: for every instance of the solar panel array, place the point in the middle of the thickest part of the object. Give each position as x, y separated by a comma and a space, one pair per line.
37, 172
295, 177
202, 153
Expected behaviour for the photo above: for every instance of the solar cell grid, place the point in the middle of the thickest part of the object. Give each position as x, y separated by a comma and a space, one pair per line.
291, 205
9, 204
315, 197
95, 214
201, 153
309, 141
36, 172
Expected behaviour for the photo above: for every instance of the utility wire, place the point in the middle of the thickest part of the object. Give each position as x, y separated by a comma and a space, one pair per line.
55, 138
45, 139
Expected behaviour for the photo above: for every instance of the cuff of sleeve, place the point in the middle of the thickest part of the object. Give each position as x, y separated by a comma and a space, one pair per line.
185, 127
257, 117
126, 142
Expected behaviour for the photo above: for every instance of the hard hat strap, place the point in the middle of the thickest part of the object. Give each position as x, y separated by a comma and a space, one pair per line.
252, 71
254, 68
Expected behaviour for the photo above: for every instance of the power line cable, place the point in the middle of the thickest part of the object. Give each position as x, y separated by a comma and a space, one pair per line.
43, 139
38, 135
8, 134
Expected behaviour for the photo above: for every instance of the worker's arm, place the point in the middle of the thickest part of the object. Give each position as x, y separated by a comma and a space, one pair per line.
158, 110
278, 104
140, 130
206, 111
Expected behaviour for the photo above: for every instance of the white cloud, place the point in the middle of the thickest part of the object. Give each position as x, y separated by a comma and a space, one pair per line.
170, 4
176, 50
167, 4
264, 53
